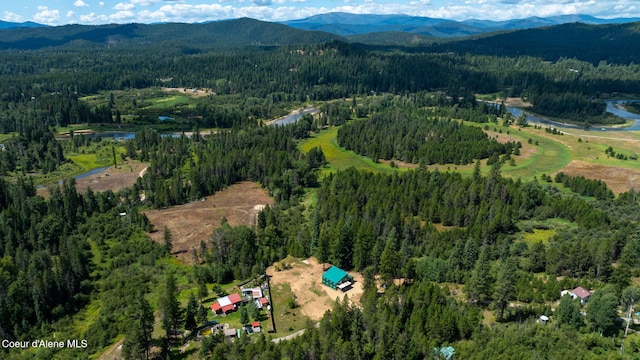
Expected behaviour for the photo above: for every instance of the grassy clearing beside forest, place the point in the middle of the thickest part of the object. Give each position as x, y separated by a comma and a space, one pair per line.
338, 157
577, 153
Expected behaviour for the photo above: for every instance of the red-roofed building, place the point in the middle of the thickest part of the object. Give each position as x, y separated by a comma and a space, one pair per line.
226, 304
228, 308
215, 307
582, 293
235, 298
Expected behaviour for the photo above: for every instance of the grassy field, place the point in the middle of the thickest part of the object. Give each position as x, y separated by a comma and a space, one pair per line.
5, 137
288, 319
340, 158
550, 156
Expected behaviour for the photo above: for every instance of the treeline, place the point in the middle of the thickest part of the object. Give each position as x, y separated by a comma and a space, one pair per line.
33, 148
184, 169
45, 252
312, 72
420, 136
583, 186
574, 107
360, 214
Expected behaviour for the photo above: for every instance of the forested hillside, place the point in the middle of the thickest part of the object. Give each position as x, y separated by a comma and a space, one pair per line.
590, 43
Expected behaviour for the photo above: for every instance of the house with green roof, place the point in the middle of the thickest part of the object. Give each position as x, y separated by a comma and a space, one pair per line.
337, 278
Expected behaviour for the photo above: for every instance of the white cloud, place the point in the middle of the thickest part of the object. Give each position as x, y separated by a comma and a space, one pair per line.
122, 16
71, 14
80, 3
46, 16
148, 11
124, 6
12, 17
145, 2
93, 18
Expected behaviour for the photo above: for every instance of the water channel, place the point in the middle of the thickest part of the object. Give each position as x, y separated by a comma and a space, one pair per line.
611, 108
295, 116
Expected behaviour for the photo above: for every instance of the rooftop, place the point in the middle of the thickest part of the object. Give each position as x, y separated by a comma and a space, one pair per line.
335, 274
581, 292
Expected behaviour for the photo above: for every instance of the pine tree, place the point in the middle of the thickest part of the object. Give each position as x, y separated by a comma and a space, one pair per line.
191, 312
169, 306
137, 340
602, 310
568, 312
203, 292
504, 286
167, 238
389, 262
244, 315
479, 286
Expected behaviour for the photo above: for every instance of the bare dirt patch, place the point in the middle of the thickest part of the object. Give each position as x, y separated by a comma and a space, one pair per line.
401, 164
617, 179
305, 279
195, 92
114, 179
194, 222
517, 102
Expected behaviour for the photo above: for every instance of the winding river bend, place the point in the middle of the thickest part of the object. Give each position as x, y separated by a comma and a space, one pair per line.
611, 108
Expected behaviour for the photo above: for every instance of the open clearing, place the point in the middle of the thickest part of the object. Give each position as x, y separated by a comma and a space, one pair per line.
340, 158
193, 222
118, 178
125, 175
617, 179
195, 92
305, 279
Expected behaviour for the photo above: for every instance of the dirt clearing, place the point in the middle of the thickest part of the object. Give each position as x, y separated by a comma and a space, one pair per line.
193, 222
617, 179
517, 102
111, 178
195, 92
305, 279
125, 175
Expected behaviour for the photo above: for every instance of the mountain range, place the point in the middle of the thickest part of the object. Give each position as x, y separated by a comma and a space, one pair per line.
12, 25
592, 43
346, 24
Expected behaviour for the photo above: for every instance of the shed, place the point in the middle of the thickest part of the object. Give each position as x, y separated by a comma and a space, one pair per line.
335, 277
254, 293
255, 326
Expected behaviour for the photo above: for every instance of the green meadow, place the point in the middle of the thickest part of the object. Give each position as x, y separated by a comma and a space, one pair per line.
340, 158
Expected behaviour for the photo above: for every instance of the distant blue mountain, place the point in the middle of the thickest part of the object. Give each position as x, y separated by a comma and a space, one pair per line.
346, 24
12, 25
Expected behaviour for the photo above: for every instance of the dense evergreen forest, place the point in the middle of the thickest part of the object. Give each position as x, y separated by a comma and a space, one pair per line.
420, 137
447, 259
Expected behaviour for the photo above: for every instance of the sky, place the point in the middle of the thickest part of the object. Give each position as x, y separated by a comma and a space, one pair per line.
60, 12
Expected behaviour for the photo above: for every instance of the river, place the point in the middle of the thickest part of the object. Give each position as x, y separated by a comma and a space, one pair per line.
611, 108
294, 116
